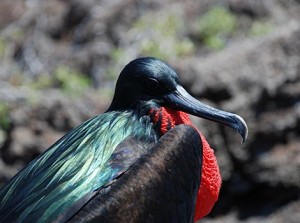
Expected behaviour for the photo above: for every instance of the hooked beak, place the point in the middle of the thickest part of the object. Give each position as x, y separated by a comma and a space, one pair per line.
181, 100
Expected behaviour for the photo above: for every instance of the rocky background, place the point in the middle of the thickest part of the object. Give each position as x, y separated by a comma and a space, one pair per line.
59, 60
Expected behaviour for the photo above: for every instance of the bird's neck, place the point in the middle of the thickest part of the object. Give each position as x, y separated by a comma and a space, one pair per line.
164, 119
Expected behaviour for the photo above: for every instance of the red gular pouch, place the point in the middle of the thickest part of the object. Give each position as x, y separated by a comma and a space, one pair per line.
209, 189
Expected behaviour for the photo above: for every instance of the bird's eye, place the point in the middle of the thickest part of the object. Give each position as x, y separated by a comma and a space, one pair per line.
152, 83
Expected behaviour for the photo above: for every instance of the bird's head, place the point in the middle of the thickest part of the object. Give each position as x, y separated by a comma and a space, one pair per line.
150, 79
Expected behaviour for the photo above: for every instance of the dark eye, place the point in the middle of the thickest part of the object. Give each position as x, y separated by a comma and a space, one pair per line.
152, 83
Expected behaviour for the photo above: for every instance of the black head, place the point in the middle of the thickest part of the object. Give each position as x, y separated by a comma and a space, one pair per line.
143, 79
150, 79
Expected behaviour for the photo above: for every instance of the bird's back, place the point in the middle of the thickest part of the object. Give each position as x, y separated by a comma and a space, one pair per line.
75, 166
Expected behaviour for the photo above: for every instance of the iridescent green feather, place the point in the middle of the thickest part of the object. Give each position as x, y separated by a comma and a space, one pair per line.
75, 165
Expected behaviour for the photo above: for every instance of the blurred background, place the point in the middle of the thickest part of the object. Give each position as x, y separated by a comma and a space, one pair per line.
59, 60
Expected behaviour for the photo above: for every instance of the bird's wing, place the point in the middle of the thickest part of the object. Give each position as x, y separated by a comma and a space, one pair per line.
76, 165
161, 186
124, 156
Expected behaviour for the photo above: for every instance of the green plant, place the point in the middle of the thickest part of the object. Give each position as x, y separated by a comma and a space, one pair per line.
260, 28
42, 82
4, 116
71, 81
2, 46
162, 36
215, 26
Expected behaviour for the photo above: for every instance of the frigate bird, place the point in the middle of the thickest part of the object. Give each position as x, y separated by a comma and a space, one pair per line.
140, 161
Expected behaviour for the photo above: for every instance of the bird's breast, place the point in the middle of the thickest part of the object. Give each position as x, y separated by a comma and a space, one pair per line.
164, 119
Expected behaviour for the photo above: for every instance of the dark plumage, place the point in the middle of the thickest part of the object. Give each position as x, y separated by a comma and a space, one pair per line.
159, 187
134, 162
